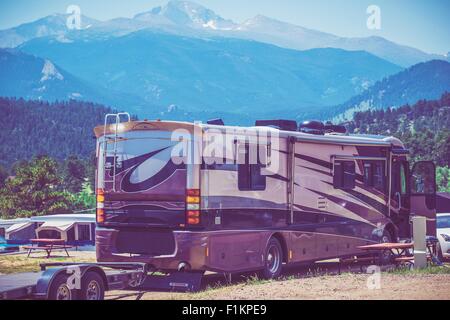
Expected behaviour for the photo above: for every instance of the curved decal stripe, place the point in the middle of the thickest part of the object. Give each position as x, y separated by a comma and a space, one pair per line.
317, 170
230, 202
371, 190
380, 207
132, 164
355, 208
169, 170
316, 161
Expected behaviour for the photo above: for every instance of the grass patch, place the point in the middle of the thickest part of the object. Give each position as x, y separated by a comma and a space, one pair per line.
445, 269
255, 280
18, 264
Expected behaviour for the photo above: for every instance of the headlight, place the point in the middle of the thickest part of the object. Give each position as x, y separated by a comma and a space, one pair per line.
446, 237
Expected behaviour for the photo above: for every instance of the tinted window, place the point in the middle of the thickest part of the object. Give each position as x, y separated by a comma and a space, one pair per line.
374, 175
403, 179
249, 175
344, 175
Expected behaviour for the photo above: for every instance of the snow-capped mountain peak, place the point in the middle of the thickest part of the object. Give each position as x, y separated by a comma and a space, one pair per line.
188, 14
50, 72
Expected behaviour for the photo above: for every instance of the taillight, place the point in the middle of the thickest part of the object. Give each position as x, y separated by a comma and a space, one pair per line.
193, 207
100, 206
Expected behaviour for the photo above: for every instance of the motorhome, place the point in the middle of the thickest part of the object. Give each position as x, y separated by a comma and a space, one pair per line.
210, 197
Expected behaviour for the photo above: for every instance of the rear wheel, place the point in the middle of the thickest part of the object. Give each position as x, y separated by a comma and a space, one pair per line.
273, 260
92, 287
60, 290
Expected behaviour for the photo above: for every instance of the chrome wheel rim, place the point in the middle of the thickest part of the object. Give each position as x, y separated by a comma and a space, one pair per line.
63, 293
273, 259
93, 291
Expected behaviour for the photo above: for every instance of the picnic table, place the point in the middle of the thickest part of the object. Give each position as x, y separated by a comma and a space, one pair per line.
48, 245
399, 253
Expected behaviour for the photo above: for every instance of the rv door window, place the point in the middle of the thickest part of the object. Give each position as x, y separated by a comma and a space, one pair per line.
374, 175
344, 175
250, 177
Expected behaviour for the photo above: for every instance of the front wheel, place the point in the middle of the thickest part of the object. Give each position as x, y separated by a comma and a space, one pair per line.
273, 260
386, 256
439, 253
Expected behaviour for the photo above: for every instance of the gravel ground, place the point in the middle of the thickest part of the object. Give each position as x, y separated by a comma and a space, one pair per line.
347, 286
320, 281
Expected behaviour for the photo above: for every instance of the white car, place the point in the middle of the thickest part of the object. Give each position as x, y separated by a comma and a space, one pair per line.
443, 233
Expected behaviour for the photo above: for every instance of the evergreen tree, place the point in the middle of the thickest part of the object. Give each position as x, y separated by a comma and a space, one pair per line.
33, 191
3, 176
73, 174
423, 127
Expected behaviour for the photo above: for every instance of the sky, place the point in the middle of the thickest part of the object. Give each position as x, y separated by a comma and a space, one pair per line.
423, 24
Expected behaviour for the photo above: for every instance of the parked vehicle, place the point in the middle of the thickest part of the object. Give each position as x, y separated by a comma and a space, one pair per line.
314, 193
443, 234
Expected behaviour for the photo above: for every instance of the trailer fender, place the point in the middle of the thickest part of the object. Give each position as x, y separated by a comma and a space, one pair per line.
77, 272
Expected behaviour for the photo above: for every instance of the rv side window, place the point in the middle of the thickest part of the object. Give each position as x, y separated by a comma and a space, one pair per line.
374, 175
249, 175
344, 175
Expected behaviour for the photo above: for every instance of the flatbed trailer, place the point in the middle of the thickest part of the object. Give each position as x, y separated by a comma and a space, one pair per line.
90, 281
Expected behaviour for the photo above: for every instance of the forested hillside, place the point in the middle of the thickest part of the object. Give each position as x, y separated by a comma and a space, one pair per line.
60, 129
428, 80
424, 127
49, 150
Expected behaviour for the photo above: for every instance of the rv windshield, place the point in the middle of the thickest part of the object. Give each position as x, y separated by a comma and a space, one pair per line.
443, 222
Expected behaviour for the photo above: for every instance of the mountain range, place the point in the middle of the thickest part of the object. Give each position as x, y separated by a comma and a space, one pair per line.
32, 77
183, 61
188, 18
424, 81
214, 74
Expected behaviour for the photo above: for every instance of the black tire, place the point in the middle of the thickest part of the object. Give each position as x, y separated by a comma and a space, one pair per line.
439, 252
92, 287
59, 289
273, 260
386, 255
387, 237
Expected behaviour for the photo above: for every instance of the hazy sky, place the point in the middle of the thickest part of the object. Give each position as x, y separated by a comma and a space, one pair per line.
424, 24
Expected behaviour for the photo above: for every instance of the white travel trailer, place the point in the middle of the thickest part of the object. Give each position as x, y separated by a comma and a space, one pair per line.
209, 197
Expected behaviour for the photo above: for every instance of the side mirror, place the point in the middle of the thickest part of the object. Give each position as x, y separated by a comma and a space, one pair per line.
423, 178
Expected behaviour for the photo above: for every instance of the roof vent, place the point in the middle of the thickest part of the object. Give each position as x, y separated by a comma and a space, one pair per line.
216, 122
332, 128
312, 127
285, 125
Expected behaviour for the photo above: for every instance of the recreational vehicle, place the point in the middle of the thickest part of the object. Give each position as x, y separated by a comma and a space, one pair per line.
210, 197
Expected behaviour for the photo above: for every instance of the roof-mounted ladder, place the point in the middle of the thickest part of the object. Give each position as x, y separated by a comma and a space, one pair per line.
117, 121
